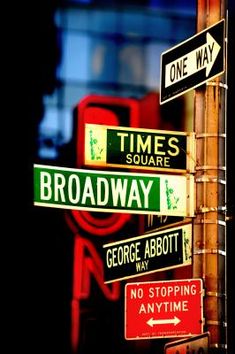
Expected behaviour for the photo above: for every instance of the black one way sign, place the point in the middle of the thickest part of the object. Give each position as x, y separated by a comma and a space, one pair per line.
192, 62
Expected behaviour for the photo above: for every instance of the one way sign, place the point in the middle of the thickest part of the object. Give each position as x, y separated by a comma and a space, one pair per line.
192, 62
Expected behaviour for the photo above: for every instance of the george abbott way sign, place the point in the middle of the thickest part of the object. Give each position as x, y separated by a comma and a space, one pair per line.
124, 147
155, 251
163, 309
78, 189
194, 345
192, 62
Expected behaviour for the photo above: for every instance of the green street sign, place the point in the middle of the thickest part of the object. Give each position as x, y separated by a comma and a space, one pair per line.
147, 149
155, 251
78, 189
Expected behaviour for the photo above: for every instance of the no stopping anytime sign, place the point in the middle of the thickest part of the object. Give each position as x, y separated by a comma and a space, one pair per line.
172, 308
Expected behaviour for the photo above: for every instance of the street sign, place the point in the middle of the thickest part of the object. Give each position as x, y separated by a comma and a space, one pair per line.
79, 189
192, 62
171, 308
149, 253
194, 345
123, 147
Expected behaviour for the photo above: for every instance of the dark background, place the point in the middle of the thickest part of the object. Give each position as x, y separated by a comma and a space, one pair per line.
40, 257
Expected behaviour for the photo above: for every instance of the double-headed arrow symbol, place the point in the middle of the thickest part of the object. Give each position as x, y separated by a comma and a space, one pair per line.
151, 322
200, 58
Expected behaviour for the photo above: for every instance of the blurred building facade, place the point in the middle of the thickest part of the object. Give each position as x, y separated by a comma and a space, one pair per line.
108, 48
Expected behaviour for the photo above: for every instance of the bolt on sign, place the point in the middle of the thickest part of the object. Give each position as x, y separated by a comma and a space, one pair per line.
193, 62
163, 309
79, 189
194, 345
149, 253
125, 147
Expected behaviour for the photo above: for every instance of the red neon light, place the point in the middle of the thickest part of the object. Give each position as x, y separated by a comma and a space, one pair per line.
87, 263
97, 226
98, 109
107, 110
75, 324
84, 266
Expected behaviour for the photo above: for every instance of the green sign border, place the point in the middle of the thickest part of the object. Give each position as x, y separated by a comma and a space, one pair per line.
139, 193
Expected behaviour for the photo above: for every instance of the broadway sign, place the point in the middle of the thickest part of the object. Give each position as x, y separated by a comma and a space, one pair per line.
148, 149
162, 309
78, 189
149, 253
193, 62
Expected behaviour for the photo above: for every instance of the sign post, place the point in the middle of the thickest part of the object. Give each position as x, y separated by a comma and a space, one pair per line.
171, 308
192, 62
209, 224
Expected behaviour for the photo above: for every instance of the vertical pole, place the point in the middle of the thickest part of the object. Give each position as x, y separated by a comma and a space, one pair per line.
209, 251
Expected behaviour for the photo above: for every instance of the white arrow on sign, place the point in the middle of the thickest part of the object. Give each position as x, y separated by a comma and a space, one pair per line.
151, 322
200, 58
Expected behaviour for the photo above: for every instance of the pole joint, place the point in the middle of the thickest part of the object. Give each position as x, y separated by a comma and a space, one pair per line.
210, 251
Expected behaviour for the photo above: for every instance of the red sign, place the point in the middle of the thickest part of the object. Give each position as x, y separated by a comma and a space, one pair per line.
194, 345
171, 308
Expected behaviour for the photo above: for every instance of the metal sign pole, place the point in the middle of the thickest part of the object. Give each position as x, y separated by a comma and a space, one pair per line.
209, 258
